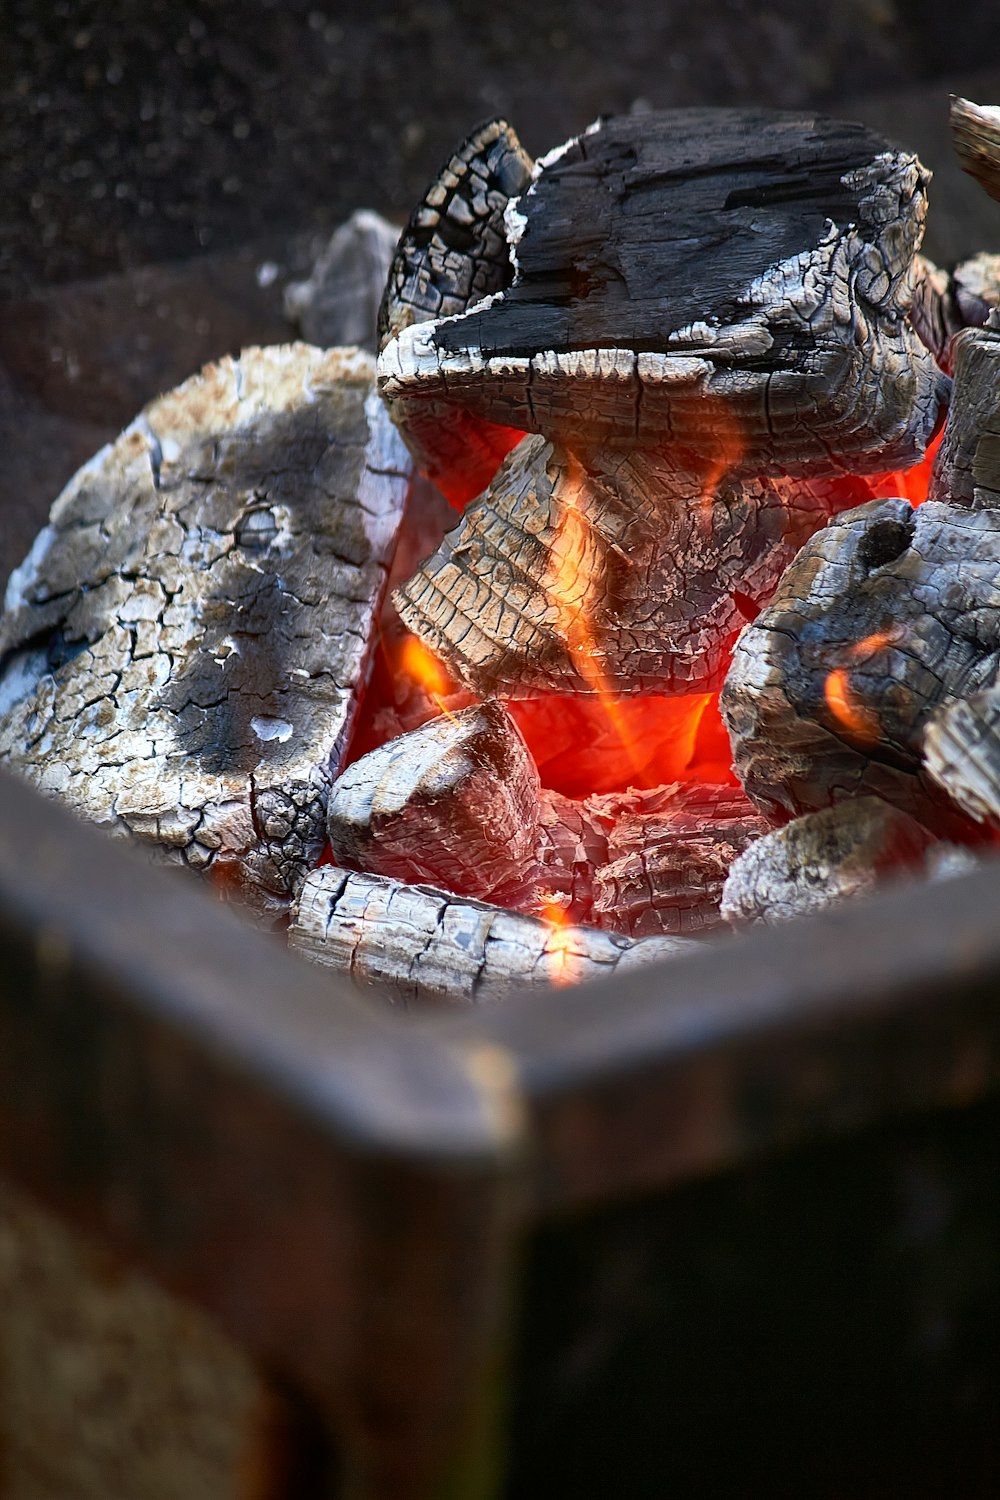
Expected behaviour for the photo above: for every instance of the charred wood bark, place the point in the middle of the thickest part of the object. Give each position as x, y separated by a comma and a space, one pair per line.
962, 752
822, 859
417, 944
679, 270
883, 616
183, 650
453, 253
454, 803
975, 135
666, 868
967, 467
607, 572
340, 300
946, 302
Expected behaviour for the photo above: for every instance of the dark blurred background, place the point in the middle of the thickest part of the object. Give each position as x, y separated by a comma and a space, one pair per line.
168, 166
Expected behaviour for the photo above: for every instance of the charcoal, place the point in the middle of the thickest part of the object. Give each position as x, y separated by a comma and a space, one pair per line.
967, 466
975, 135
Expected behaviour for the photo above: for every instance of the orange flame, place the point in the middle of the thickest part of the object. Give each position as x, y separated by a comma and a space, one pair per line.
423, 667
564, 962
730, 447
858, 718
574, 583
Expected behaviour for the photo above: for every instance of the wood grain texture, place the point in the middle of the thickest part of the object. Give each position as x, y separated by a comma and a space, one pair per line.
453, 803
418, 945
822, 859
975, 135
962, 753
886, 614
602, 571
966, 469
184, 647
760, 259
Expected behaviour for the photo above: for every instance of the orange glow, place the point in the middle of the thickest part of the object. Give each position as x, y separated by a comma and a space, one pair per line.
858, 718
909, 484
730, 447
424, 668
575, 583
564, 963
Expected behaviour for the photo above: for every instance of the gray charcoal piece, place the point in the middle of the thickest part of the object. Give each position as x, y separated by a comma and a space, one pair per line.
420, 946
184, 647
339, 302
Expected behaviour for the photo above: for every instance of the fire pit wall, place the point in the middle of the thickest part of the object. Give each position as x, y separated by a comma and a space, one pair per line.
831, 1309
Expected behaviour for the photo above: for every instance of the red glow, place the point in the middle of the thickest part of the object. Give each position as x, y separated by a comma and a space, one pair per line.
908, 484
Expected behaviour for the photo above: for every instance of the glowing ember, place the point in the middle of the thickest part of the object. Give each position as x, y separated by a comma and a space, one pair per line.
909, 484
564, 962
858, 718
423, 668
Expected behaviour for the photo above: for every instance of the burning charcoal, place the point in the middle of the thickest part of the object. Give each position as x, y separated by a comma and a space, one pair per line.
945, 302
419, 944
668, 273
967, 467
611, 574
666, 867
340, 301
454, 802
883, 616
962, 752
451, 255
572, 843
822, 859
975, 135
184, 647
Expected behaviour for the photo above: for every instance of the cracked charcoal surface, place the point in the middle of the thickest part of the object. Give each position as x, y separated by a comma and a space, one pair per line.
183, 647
962, 753
576, 574
884, 616
423, 945
802, 231
822, 859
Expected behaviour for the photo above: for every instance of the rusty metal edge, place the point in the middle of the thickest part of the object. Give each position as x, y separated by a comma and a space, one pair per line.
759, 1043
338, 1191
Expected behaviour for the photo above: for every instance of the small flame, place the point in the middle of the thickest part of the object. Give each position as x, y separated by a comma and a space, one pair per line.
564, 961
424, 668
575, 581
730, 448
858, 718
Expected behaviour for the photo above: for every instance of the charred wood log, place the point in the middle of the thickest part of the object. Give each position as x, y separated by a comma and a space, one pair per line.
975, 135
454, 803
883, 616
340, 300
822, 859
666, 868
454, 253
967, 467
674, 271
962, 752
183, 650
945, 302
417, 944
607, 572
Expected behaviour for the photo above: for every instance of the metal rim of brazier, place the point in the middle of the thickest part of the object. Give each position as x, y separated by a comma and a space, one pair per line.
303, 1165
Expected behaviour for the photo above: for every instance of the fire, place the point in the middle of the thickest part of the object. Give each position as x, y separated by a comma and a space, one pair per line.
858, 718
909, 484
423, 667
729, 450
574, 583
564, 961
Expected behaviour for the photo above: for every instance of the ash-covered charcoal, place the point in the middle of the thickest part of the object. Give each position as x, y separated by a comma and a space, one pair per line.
975, 135
966, 469
339, 302
597, 571
962, 753
666, 867
184, 647
453, 254
454, 802
417, 944
682, 271
822, 859
572, 844
883, 616
946, 302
